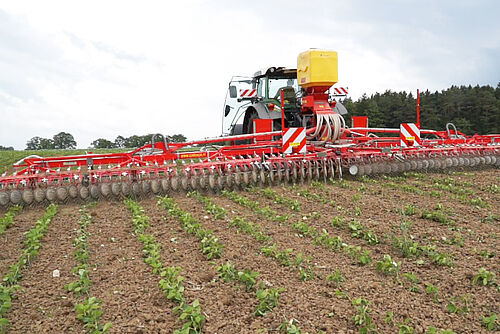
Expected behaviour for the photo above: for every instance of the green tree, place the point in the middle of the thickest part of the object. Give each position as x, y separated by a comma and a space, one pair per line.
178, 138
64, 140
39, 143
102, 143
120, 142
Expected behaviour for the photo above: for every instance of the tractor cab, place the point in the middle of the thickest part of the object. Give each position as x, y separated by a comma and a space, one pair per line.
259, 97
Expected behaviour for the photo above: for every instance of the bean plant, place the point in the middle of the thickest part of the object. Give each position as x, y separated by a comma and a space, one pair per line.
8, 218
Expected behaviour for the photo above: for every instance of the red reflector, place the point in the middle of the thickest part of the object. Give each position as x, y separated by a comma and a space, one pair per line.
270, 106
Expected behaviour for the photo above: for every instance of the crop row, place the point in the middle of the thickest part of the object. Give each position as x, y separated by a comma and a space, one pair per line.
8, 218
89, 310
32, 244
267, 297
320, 238
170, 282
269, 249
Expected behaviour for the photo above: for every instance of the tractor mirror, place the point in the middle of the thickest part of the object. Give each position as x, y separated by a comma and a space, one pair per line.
227, 109
232, 92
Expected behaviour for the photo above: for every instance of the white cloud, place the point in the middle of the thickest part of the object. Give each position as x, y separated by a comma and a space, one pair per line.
108, 68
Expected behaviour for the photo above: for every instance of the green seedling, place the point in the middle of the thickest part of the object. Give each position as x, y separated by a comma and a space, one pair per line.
362, 318
227, 272
432, 290
89, 313
491, 323
484, 277
335, 277
268, 299
192, 317
247, 277
387, 266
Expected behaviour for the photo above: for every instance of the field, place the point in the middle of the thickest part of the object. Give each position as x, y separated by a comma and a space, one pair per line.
417, 253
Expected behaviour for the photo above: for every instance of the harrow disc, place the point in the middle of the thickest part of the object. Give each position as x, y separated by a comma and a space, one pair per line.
39, 195
194, 182
368, 169
116, 188
16, 197
73, 191
237, 178
229, 180
309, 171
302, 172
272, 176
146, 187
62, 193
255, 176
105, 189
28, 196
262, 176
211, 181
155, 186
202, 182
51, 195
4, 198
185, 183
246, 178
83, 191
125, 188
220, 183
164, 185
279, 174
94, 191
174, 183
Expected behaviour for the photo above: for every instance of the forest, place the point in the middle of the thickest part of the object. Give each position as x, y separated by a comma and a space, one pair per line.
472, 109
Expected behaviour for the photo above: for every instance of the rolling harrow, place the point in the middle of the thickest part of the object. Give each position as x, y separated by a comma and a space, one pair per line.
312, 143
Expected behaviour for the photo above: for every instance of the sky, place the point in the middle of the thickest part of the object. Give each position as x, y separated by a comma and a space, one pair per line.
99, 69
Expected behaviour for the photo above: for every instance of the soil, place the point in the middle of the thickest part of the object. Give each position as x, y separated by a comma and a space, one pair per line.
132, 301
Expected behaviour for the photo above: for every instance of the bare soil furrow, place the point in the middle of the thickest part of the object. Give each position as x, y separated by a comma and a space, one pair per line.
11, 241
130, 296
43, 305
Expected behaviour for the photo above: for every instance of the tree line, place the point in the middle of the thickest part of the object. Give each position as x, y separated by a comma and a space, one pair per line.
472, 109
64, 140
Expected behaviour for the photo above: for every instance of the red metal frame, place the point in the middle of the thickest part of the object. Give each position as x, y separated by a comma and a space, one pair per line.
357, 145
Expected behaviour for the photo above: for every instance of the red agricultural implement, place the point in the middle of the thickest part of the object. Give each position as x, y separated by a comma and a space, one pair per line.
278, 133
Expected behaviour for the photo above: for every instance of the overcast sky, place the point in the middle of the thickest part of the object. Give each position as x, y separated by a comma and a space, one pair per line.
98, 69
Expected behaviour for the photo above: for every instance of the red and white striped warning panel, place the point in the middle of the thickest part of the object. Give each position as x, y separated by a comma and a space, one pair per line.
409, 135
294, 140
339, 91
248, 93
